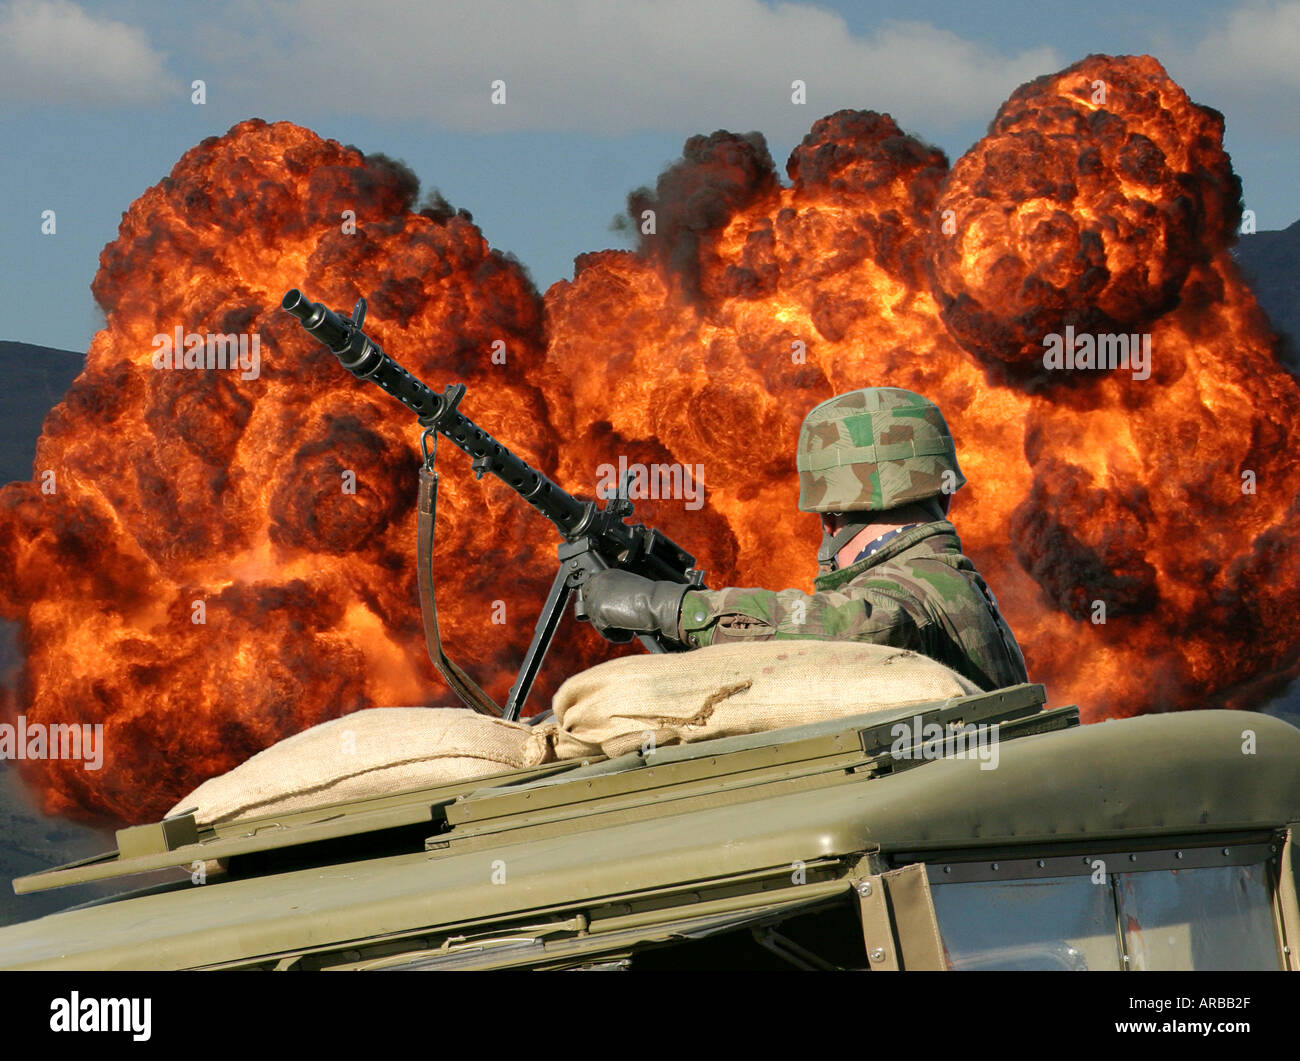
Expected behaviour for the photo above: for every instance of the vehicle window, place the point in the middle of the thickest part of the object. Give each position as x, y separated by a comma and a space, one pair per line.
1048, 923
1214, 918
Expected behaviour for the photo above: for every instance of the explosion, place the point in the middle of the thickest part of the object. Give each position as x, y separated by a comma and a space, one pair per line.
209, 561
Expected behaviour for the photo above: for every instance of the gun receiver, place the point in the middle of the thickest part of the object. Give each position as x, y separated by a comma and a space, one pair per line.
595, 538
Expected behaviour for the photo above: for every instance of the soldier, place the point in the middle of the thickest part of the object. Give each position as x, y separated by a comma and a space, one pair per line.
880, 468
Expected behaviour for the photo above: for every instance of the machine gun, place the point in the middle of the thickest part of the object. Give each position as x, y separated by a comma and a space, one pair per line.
594, 538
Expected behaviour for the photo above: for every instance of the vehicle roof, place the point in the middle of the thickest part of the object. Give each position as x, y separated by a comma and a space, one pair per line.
693, 817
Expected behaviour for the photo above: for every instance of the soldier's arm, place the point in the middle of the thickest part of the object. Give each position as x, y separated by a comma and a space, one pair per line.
875, 614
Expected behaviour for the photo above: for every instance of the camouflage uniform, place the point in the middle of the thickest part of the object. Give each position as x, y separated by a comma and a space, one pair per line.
917, 592
860, 454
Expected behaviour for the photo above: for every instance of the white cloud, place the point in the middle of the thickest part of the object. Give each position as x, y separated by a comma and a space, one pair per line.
52, 51
601, 66
621, 65
1257, 45
1245, 63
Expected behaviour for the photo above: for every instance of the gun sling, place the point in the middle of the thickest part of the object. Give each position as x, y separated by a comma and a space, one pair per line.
465, 688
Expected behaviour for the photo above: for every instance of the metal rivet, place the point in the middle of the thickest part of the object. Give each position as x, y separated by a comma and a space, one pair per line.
1178, 854
1225, 850
864, 888
1132, 858
947, 869
995, 865
1041, 863
878, 955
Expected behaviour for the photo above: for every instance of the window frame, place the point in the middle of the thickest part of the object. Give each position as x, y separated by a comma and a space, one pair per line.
1273, 848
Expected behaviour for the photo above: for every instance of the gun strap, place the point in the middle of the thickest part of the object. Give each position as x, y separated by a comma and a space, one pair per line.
465, 688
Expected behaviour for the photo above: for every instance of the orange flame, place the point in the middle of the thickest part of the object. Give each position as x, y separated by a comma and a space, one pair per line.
278, 510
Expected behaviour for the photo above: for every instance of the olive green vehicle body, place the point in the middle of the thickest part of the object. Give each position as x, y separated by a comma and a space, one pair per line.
817, 847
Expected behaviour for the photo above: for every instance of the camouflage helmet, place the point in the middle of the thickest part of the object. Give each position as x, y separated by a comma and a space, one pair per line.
874, 449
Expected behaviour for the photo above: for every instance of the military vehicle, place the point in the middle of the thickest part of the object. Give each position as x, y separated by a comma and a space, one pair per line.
1147, 843
976, 832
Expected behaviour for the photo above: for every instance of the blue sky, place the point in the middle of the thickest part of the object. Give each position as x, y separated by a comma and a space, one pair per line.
95, 100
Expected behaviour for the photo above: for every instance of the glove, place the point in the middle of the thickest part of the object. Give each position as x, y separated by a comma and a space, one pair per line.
620, 604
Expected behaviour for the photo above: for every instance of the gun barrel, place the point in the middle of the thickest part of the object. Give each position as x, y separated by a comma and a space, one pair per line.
323, 323
362, 356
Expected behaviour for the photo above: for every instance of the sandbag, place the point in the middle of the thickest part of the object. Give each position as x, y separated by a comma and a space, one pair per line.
745, 687
369, 753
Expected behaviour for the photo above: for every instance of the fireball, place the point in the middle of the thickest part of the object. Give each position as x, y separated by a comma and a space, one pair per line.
210, 559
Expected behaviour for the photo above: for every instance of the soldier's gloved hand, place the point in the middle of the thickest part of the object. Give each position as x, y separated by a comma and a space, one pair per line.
620, 604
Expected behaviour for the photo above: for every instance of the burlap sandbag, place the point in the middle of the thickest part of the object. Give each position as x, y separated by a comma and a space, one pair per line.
726, 690
369, 753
